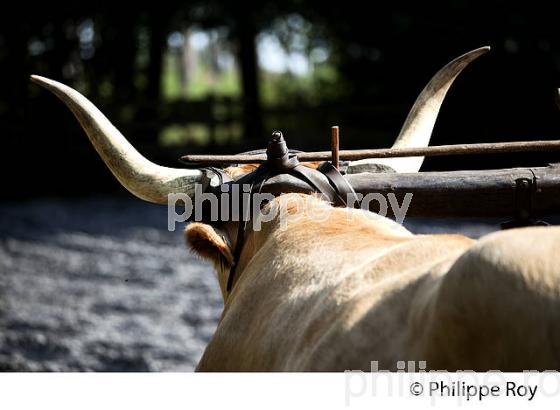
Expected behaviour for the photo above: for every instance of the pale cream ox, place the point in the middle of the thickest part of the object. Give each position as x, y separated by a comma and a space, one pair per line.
339, 293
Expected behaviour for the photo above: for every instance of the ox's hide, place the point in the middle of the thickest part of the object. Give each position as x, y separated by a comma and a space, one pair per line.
343, 289
100, 284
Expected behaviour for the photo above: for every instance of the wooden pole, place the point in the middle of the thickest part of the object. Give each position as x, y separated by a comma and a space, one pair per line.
452, 194
352, 155
335, 158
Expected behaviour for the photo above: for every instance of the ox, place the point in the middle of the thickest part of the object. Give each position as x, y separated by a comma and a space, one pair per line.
350, 289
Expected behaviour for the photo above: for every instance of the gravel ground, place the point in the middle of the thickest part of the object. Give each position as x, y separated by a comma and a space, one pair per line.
101, 285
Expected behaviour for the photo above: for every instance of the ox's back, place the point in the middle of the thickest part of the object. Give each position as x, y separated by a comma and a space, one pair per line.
328, 295
339, 294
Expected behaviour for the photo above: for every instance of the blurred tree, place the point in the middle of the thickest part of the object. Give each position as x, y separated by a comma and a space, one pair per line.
246, 33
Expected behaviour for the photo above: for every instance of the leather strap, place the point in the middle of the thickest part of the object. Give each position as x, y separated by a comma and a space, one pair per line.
335, 188
342, 186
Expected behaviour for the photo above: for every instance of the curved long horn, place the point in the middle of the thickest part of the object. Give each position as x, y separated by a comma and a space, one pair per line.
419, 124
140, 176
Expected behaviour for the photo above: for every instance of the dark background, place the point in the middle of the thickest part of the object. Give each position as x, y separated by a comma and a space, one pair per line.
377, 61
90, 278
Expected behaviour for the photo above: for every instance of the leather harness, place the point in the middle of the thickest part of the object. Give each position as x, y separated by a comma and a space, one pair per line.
280, 160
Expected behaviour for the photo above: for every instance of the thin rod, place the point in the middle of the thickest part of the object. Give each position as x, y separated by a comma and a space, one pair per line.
352, 155
335, 154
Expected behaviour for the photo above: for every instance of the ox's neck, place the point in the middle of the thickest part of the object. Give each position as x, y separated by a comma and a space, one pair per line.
310, 236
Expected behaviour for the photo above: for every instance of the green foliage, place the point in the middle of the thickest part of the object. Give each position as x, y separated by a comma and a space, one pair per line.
201, 134
202, 82
317, 86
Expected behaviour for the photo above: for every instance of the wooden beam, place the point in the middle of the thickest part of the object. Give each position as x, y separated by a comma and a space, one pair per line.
487, 193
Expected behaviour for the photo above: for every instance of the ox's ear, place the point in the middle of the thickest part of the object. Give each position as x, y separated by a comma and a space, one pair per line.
209, 242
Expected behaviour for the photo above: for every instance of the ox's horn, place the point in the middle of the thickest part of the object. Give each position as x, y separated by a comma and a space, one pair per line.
140, 176
418, 126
